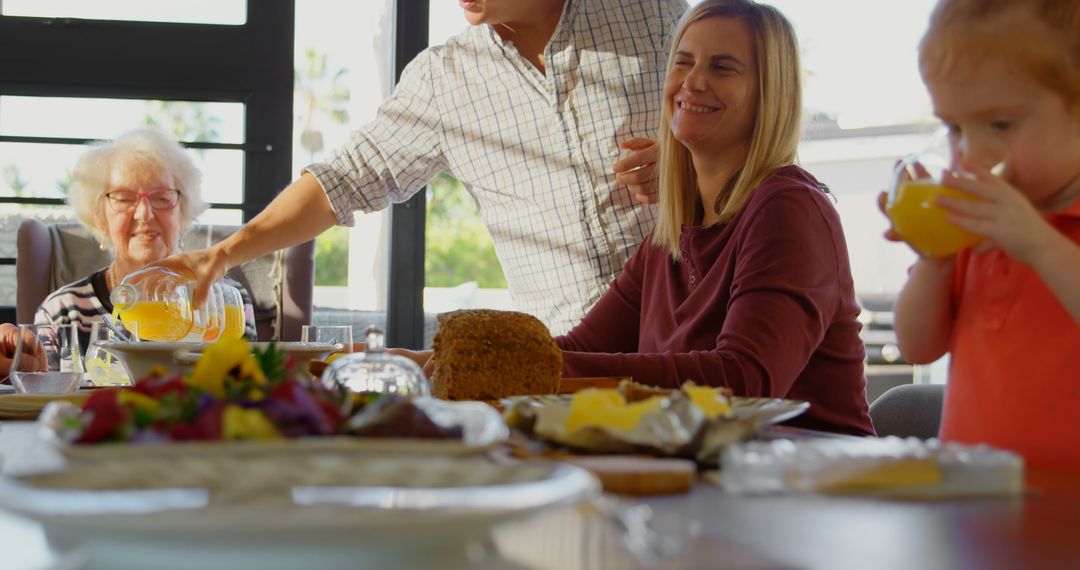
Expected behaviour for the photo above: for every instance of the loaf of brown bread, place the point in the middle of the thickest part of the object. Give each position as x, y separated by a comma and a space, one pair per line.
482, 354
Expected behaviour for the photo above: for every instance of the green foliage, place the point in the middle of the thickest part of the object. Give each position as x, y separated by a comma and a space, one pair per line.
64, 184
272, 363
332, 257
184, 120
320, 90
12, 177
459, 247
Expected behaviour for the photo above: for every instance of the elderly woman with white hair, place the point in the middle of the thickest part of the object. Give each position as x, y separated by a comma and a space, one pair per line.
138, 195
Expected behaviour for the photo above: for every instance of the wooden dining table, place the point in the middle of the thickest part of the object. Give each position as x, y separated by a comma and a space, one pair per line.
708, 528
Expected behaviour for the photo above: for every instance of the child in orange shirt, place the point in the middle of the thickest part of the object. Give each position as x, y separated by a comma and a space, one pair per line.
1004, 77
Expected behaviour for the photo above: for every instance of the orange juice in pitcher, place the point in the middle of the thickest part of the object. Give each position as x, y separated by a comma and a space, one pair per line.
158, 300
162, 321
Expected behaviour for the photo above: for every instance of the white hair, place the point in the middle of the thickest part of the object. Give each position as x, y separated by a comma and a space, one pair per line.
149, 145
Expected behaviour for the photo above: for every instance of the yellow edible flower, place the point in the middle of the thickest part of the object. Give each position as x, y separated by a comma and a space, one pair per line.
137, 401
213, 368
243, 423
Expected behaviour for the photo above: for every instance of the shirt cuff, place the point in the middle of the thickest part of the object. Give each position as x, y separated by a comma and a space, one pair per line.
343, 198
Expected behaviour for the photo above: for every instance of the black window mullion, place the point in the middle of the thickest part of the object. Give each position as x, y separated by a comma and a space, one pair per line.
269, 122
405, 296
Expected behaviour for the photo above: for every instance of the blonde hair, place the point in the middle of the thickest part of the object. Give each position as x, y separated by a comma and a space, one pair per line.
1042, 36
774, 141
148, 146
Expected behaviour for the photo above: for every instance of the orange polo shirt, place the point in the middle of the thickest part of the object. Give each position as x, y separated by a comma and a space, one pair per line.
1014, 377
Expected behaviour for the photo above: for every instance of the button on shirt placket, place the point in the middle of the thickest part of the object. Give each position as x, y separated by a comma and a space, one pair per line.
1000, 292
688, 262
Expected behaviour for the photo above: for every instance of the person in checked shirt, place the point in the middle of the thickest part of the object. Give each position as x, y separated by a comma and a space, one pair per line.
531, 107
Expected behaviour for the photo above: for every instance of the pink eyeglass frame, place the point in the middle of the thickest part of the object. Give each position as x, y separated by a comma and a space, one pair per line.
139, 195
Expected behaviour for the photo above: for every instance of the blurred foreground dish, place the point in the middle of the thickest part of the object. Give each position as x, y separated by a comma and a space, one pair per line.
889, 467
672, 425
235, 392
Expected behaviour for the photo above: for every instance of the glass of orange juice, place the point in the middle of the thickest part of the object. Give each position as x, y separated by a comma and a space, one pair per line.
234, 312
912, 204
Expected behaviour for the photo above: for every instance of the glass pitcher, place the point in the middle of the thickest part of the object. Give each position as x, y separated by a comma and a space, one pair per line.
159, 301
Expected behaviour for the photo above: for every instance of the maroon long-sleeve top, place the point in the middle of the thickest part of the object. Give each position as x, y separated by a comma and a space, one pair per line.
764, 304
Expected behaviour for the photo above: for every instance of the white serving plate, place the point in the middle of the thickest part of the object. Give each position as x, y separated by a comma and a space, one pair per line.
281, 510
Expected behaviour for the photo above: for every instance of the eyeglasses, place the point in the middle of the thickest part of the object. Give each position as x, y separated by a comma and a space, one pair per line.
123, 201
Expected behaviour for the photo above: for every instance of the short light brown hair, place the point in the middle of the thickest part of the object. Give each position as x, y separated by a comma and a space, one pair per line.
1041, 36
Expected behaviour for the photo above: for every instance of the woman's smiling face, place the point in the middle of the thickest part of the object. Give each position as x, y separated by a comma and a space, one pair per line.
142, 235
711, 90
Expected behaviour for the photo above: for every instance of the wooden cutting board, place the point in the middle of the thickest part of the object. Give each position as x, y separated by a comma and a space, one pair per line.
640, 475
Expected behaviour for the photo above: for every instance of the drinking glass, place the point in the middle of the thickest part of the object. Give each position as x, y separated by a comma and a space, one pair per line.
104, 367
328, 334
47, 359
234, 312
208, 320
912, 203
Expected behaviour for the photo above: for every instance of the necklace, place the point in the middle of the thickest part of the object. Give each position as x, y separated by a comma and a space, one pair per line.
110, 282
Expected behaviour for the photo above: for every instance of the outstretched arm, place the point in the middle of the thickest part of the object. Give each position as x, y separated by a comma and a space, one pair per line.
300, 213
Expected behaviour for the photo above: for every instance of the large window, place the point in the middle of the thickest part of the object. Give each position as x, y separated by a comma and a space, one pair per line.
216, 75
461, 270
232, 12
866, 107
228, 79
344, 68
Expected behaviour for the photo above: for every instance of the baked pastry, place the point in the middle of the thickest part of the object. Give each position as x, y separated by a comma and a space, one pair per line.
481, 354
634, 392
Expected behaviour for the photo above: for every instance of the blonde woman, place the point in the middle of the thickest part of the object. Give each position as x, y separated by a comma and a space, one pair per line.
745, 280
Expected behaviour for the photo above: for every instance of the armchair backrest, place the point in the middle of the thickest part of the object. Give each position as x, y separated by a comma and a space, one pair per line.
281, 283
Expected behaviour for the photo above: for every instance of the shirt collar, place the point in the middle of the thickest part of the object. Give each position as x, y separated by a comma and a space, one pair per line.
1070, 211
561, 35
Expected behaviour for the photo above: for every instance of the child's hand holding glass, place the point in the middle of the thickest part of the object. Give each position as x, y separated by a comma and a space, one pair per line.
913, 208
1003, 216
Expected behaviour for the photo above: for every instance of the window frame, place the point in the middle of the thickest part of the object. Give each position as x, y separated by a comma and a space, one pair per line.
250, 64
405, 290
